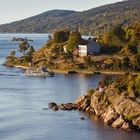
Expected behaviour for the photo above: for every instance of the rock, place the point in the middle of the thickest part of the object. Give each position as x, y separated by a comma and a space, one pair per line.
124, 106
132, 95
82, 118
118, 123
45, 108
138, 100
68, 106
80, 100
85, 105
136, 121
127, 126
51, 105
99, 103
55, 108
110, 115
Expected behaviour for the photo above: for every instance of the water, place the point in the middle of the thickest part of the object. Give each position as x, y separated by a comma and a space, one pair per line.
22, 100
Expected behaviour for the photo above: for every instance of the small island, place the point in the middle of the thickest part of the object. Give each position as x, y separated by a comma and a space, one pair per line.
116, 51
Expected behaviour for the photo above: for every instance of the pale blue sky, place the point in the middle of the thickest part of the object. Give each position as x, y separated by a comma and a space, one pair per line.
12, 10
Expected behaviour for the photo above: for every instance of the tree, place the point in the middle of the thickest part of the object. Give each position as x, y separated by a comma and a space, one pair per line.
106, 38
118, 31
49, 38
68, 56
87, 61
12, 53
24, 45
137, 84
31, 50
73, 41
126, 63
138, 48
61, 36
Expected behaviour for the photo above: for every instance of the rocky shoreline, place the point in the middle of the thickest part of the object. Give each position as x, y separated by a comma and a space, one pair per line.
76, 72
118, 111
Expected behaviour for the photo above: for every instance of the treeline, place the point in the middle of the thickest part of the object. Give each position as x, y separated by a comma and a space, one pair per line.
123, 41
91, 22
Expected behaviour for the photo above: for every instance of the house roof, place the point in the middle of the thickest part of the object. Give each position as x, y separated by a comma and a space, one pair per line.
84, 42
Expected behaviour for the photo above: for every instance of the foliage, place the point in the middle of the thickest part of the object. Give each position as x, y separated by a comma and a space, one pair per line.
126, 62
24, 45
107, 80
137, 83
12, 53
73, 41
31, 50
68, 56
87, 61
90, 92
128, 83
61, 36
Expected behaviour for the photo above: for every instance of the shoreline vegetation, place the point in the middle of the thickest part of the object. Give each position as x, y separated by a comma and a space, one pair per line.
119, 104
119, 52
59, 71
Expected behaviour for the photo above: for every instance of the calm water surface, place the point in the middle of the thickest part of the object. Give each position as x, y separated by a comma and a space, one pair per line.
22, 100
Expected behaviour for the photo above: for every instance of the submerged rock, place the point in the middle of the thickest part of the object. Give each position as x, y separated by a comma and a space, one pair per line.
82, 118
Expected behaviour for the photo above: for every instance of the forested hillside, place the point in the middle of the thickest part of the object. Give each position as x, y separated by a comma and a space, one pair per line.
91, 22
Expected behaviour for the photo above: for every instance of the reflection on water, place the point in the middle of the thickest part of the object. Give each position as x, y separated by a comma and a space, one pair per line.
22, 100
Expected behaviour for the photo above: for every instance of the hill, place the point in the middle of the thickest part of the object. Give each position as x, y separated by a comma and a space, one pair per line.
91, 22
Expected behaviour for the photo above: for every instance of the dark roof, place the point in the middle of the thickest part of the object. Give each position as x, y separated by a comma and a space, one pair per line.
84, 42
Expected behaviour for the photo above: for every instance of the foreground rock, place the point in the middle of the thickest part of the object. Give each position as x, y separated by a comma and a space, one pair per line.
118, 111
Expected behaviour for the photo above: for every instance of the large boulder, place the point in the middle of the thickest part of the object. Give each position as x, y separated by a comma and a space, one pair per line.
136, 121
118, 123
85, 105
99, 103
80, 100
51, 105
110, 115
128, 126
124, 106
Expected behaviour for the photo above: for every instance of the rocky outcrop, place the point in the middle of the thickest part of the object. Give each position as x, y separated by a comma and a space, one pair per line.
110, 115
118, 123
116, 110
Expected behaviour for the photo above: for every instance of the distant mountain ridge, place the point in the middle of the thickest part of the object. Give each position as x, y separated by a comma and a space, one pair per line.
90, 22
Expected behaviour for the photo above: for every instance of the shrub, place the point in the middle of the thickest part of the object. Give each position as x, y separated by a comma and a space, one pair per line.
87, 61
90, 92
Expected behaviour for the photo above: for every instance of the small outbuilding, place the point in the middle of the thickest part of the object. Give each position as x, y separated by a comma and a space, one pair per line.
88, 48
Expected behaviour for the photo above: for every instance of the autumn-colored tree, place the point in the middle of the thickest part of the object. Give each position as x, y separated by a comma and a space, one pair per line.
106, 38
73, 41
23, 47
61, 36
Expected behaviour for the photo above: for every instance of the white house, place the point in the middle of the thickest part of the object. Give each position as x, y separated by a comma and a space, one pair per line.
88, 48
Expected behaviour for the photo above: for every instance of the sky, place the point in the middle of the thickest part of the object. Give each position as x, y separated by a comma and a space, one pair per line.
13, 10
